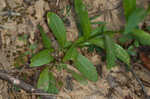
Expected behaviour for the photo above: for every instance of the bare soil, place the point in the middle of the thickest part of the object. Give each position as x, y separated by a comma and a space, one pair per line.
18, 30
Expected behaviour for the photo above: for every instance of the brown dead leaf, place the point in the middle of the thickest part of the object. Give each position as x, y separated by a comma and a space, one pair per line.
39, 7
128, 97
3, 4
145, 59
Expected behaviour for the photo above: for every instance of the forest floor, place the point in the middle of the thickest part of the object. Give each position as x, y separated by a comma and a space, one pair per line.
18, 33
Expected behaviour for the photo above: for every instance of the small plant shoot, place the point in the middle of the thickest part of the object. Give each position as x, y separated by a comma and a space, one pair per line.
100, 37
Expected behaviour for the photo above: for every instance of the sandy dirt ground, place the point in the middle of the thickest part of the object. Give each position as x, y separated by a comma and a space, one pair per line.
18, 30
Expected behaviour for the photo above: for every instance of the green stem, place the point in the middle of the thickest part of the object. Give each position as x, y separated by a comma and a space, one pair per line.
83, 40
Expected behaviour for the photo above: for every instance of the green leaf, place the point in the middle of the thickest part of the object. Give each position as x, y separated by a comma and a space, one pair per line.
134, 19
33, 46
61, 66
71, 54
47, 82
57, 26
68, 43
99, 23
46, 41
93, 48
84, 44
148, 10
80, 40
52, 84
148, 28
52, 89
136, 43
41, 58
122, 54
43, 81
98, 30
78, 77
110, 52
86, 68
125, 38
131, 50
129, 7
142, 36
82, 15
119, 51
98, 42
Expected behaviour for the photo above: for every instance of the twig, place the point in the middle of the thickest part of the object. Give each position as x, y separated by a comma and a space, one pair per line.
21, 84
145, 83
7, 27
57, 3
0, 40
9, 13
140, 83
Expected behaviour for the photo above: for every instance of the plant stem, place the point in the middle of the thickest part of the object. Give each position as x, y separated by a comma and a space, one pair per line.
140, 83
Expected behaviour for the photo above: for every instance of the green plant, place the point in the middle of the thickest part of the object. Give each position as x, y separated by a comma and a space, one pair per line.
100, 37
